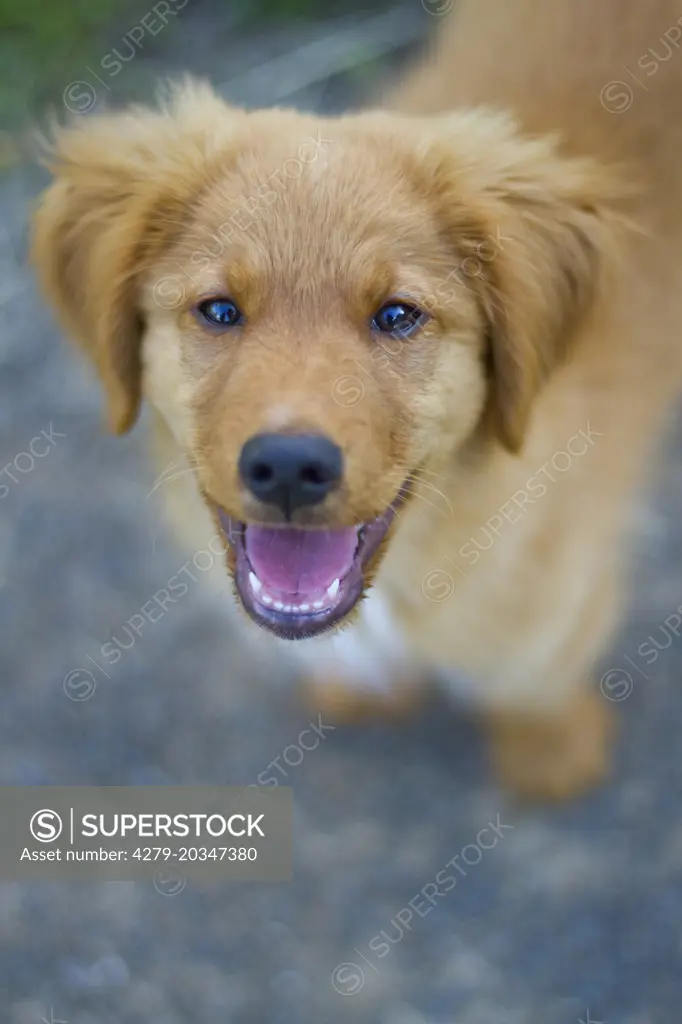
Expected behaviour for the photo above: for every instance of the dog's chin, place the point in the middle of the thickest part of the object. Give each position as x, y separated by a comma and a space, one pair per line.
298, 583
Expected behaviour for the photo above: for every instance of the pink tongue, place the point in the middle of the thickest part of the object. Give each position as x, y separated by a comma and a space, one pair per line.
300, 561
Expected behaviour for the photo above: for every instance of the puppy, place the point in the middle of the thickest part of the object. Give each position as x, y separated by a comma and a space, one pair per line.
415, 358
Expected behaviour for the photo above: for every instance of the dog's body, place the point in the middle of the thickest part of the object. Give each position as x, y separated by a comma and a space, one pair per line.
502, 570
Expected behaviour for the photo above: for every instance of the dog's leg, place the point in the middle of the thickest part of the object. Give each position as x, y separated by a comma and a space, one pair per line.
560, 747
364, 671
553, 756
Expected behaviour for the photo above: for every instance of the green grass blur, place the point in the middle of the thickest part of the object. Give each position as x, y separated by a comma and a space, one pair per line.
43, 42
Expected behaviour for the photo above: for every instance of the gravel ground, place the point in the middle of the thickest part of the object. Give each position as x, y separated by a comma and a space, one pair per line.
573, 915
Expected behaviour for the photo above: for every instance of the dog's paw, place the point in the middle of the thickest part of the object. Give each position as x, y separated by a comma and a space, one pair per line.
343, 703
553, 758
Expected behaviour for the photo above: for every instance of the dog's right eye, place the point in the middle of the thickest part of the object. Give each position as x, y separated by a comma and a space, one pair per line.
398, 318
220, 312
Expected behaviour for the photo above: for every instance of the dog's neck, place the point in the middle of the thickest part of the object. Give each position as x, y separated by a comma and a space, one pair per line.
605, 75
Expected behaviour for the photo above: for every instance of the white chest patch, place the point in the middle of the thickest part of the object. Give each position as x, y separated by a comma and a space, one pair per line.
370, 654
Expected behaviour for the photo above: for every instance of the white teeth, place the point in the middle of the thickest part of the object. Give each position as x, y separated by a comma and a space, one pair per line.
295, 609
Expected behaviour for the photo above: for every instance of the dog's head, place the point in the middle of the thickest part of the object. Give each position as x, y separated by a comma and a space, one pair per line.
321, 309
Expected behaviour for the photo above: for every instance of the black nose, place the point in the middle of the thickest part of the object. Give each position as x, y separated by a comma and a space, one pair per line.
290, 470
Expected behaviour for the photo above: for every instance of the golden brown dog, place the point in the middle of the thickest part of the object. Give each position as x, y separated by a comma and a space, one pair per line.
415, 358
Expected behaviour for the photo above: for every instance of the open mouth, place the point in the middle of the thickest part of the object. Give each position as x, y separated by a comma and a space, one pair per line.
299, 582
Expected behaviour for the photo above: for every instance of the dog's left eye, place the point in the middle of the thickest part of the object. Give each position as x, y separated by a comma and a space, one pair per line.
220, 312
398, 318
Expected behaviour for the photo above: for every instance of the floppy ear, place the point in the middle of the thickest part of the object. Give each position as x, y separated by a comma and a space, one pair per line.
534, 232
121, 180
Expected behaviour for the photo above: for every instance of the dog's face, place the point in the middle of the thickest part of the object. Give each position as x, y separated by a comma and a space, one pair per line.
323, 311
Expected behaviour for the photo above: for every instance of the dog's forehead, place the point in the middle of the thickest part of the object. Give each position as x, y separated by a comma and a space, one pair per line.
295, 185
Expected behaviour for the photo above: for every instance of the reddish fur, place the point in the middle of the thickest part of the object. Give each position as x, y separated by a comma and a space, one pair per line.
573, 319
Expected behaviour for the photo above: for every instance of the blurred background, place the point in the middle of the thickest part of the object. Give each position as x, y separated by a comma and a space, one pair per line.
573, 916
